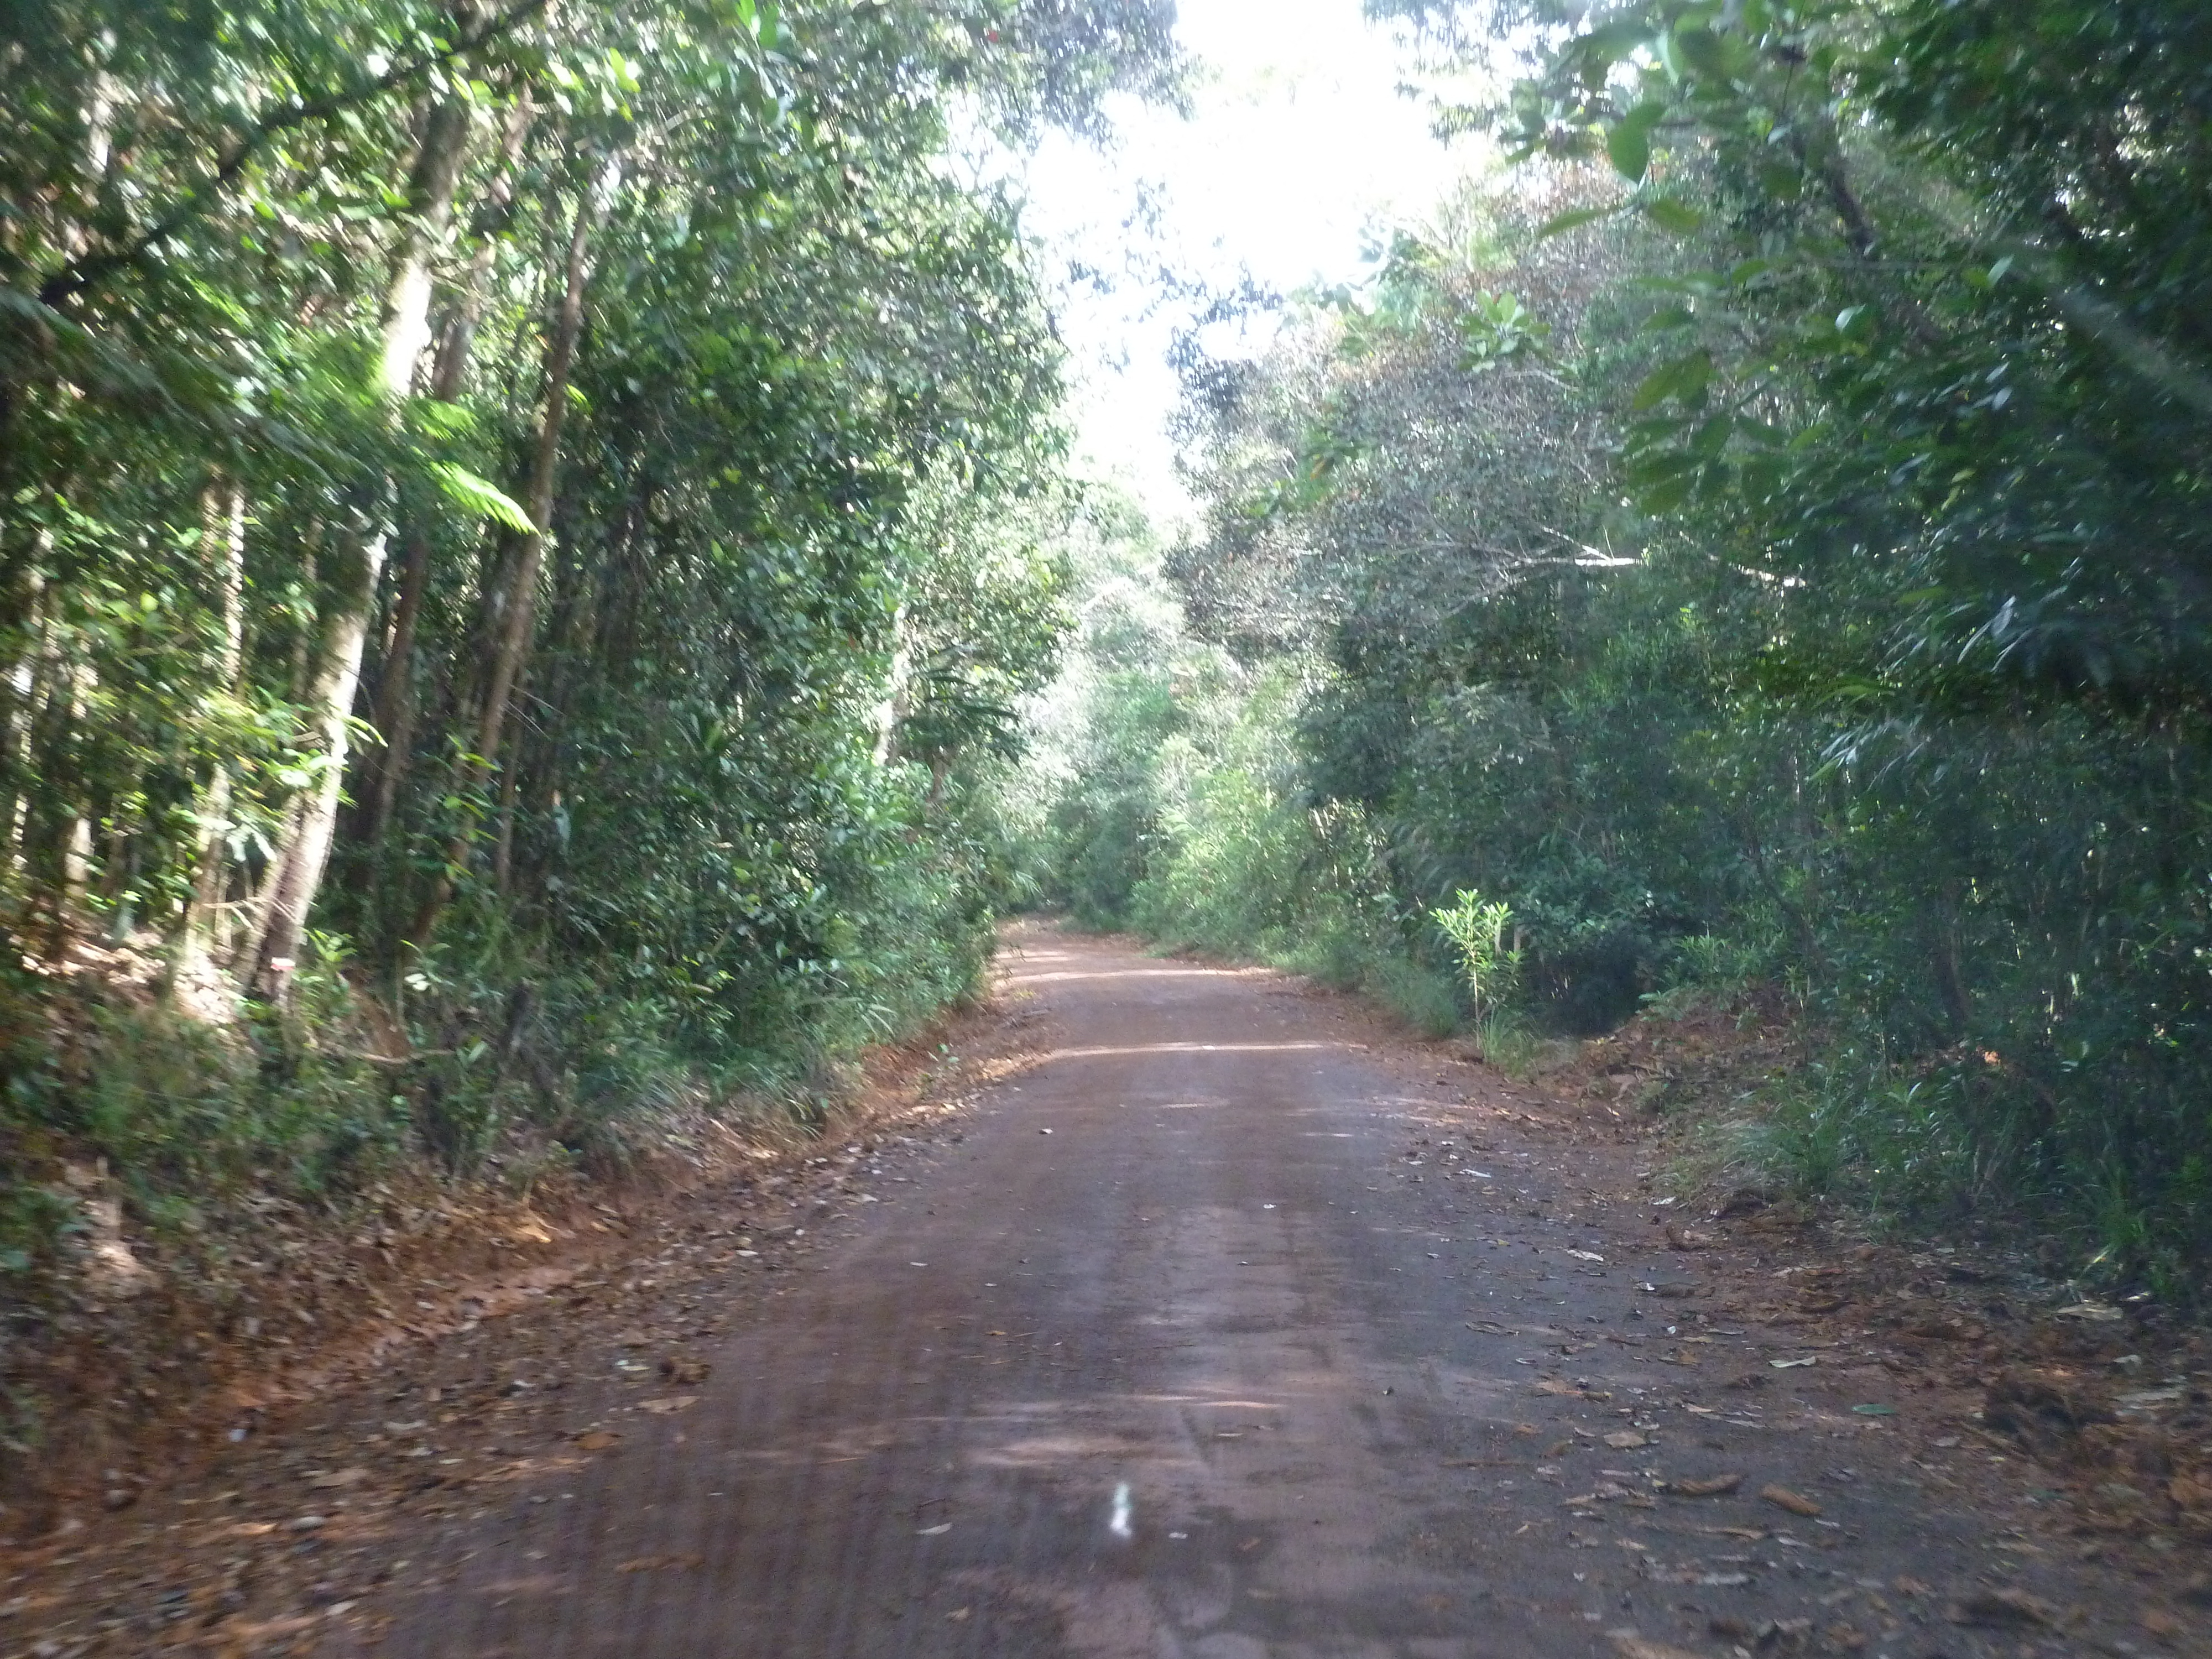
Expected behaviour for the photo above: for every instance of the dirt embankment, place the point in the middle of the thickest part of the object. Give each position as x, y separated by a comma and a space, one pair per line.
2111, 1395
145, 1352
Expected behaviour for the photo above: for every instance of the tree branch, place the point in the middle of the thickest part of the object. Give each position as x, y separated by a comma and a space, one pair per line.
79, 275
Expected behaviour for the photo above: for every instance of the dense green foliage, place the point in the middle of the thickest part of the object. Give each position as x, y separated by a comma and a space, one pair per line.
525, 529
1763, 538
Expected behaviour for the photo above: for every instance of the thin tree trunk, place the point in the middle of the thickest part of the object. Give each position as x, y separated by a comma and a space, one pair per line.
393, 716
892, 709
514, 611
305, 619
406, 319
458, 339
24, 688
223, 536
79, 678
511, 602
510, 780
295, 873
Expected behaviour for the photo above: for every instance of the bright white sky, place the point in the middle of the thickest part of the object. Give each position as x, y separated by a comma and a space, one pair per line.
1299, 151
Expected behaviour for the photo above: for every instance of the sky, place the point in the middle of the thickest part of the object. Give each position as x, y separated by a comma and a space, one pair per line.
1300, 154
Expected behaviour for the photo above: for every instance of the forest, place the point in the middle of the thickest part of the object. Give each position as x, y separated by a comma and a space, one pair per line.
544, 599
526, 526
1748, 549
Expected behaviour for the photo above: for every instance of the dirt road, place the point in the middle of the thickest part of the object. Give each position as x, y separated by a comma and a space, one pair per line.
1214, 1333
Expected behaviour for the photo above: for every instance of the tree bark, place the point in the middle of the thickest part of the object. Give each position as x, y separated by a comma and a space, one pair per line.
406, 319
511, 602
513, 610
25, 686
393, 716
223, 538
295, 873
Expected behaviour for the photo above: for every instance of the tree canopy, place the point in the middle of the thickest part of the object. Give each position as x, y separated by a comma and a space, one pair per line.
525, 526
1757, 538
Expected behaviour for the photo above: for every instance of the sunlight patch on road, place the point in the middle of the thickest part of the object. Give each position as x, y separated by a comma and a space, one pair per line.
1193, 1049
1070, 974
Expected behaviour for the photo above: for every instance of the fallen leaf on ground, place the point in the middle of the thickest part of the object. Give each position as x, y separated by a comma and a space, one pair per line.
1586, 1256
1791, 1365
1559, 1385
941, 1527
682, 1563
1796, 1503
1626, 1440
674, 1402
1940, 1330
1712, 1486
2004, 1609
597, 1440
1905, 1584
338, 1478
1629, 1645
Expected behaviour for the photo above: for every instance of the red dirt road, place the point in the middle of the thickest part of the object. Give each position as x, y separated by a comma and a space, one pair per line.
1214, 1336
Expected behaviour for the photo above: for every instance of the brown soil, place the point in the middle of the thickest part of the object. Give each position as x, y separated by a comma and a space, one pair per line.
197, 1344
1220, 1322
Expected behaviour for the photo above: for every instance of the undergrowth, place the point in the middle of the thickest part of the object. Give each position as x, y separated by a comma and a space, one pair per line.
472, 1069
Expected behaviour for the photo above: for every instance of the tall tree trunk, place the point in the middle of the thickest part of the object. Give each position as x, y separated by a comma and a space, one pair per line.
510, 780
222, 540
79, 680
25, 688
295, 873
303, 848
511, 602
513, 611
393, 716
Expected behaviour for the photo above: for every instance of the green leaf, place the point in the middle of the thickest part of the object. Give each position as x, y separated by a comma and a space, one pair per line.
1683, 378
1700, 48
1607, 44
1576, 218
481, 496
1664, 496
1629, 143
1670, 215
439, 419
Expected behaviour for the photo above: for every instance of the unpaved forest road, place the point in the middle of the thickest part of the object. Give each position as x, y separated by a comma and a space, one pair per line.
1192, 1376
1176, 1351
